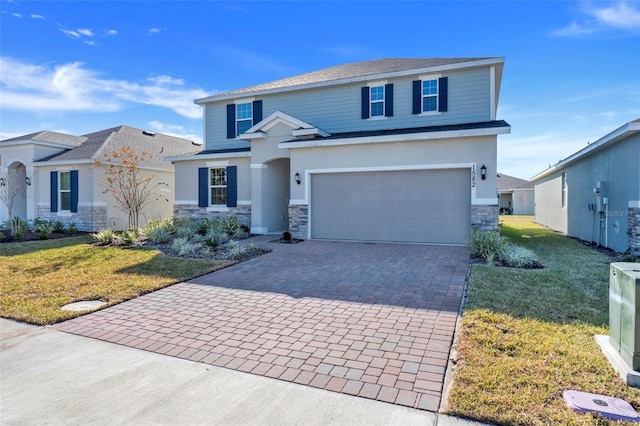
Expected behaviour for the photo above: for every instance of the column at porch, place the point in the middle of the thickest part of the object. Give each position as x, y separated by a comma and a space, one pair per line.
258, 215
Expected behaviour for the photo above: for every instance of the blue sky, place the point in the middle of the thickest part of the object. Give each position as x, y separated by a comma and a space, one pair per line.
572, 68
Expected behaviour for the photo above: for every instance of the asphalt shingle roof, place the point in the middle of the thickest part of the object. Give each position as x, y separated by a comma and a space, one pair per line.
507, 183
351, 70
108, 140
51, 137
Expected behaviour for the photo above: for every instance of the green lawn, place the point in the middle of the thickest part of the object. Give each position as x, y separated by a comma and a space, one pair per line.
528, 335
38, 277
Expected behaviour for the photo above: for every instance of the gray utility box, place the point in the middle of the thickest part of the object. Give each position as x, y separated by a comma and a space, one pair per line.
624, 311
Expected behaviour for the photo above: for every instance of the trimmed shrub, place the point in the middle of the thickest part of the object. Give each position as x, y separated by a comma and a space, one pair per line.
487, 245
159, 234
44, 230
58, 226
71, 229
518, 257
105, 236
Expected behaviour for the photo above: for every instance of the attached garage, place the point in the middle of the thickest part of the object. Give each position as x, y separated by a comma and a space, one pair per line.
414, 206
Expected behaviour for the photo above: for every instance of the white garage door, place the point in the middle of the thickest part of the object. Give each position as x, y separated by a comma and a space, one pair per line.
418, 206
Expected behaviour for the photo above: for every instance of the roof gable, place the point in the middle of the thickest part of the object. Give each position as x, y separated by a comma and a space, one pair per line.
508, 183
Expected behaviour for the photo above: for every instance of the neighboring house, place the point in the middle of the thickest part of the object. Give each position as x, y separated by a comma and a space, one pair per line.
594, 194
383, 150
515, 195
51, 176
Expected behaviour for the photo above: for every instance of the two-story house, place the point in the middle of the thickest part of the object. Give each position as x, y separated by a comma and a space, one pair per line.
400, 150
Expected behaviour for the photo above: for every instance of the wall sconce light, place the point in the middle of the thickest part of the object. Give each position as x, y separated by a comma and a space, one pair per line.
27, 180
2, 182
297, 178
483, 172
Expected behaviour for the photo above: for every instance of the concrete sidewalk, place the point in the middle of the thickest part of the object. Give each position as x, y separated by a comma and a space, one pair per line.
51, 377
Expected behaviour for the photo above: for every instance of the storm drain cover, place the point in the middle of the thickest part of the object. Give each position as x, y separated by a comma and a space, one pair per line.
84, 305
606, 406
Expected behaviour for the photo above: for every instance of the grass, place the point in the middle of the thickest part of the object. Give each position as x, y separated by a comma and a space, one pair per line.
528, 335
39, 277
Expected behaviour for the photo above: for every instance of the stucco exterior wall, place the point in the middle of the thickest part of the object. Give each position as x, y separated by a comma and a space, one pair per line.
523, 201
617, 167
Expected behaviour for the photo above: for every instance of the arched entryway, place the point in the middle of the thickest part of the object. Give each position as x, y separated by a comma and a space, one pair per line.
14, 191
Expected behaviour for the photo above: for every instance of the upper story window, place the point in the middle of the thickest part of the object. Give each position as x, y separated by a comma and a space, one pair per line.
429, 95
64, 189
218, 186
244, 117
376, 98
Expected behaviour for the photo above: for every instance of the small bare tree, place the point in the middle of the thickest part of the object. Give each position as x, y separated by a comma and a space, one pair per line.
9, 193
132, 187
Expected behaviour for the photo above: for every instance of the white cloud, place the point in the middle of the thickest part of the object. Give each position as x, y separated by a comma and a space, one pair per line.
17, 15
618, 15
154, 31
35, 16
72, 87
85, 32
112, 32
70, 33
175, 130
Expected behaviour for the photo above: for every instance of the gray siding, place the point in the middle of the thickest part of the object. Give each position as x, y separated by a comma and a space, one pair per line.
337, 109
616, 165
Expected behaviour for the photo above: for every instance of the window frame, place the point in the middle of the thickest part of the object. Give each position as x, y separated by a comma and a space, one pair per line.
430, 95
213, 187
563, 195
64, 191
377, 101
238, 120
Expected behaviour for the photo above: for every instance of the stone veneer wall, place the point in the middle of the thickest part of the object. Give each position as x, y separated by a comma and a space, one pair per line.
484, 217
243, 213
633, 230
299, 221
88, 218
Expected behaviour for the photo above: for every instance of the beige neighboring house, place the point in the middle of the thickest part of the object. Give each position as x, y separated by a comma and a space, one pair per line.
516, 195
398, 150
50, 176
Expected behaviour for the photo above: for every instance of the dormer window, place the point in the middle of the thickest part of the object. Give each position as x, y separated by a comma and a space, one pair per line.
244, 117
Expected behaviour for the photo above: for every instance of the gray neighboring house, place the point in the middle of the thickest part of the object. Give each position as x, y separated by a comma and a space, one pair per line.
400, 150
594, 194
516, 196
50, 175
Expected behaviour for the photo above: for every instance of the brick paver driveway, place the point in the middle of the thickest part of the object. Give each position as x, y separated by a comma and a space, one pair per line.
372, 320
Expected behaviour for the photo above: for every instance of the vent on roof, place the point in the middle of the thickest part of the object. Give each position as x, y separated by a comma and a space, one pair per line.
148, 133
196, 143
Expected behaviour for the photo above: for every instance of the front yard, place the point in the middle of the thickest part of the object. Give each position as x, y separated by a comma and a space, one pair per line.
39, 277
528, 335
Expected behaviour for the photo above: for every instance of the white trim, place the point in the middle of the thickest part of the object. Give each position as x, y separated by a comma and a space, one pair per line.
245, 101
218, 208
64, 213
484, 201
428, 113
185, 202
41, 143
279, 117
377, 117
617, 135
252, 135
492, 93
419, 71
634, 204
297, 202
310, 132
243, 202
216, 164
405, 137
66, 163
429, 77
209, 156
258, 166
376, 83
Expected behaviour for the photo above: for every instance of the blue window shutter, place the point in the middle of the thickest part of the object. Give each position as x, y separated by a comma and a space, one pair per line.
203, 187
388, 100
231, 121
54, 191
417, 96
257, 112
232, 186
365, 103
443, 95
74, 191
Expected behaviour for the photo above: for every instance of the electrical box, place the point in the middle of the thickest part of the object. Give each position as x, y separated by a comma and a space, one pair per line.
601, 191
624, 311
